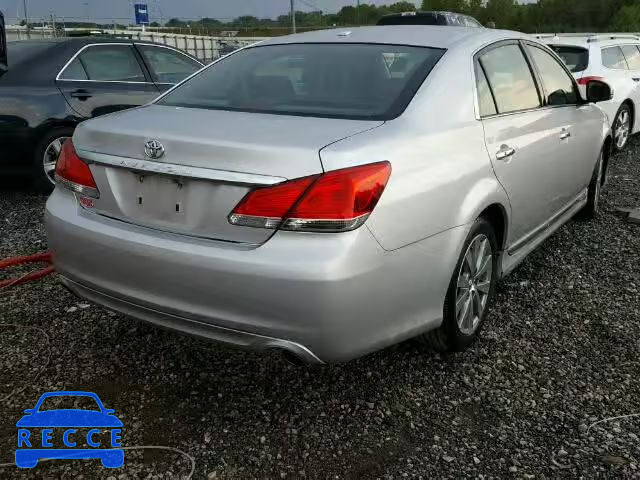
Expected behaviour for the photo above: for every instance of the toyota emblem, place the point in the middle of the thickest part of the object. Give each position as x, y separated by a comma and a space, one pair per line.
153, 149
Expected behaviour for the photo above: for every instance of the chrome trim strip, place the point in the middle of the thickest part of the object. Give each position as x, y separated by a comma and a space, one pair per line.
131, 45
195, 327
176, 170
546, 225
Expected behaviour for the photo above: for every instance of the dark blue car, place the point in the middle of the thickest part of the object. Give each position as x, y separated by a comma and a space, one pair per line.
69, 420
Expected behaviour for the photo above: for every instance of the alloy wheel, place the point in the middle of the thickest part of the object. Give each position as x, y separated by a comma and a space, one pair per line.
598, 186
50, 157
622, 129
474, 284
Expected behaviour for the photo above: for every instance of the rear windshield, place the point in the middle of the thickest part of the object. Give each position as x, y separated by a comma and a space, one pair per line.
576, 58
356, 81
18, 52
422, 19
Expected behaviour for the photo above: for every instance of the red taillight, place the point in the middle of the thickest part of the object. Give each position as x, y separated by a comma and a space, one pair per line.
336, 201
586, 80
73, 173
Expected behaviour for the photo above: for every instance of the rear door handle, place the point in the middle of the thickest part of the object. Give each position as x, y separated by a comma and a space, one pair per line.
565, 134
505, 152
81, 94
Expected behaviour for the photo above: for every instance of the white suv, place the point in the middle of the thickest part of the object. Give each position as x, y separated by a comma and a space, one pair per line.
614, 58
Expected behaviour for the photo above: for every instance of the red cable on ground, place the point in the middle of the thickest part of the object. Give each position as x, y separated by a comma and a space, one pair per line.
43, 257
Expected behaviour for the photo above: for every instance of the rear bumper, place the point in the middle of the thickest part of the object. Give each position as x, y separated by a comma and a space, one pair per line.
193, 327
322, 297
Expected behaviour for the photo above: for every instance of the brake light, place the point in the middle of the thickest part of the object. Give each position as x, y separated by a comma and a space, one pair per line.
336, 201
73, 173
586, 80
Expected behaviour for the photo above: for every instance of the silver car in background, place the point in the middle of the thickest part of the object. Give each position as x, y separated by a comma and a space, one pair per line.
331, 193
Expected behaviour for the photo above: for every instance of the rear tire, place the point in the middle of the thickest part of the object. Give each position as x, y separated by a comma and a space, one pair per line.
622, 127
45, 155
471, 291
592, 208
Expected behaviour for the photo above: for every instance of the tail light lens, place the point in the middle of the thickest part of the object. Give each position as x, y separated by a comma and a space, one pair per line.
336, 201
73, 173
586, 80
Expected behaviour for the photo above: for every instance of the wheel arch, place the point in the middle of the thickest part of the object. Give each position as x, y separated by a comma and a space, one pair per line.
490, 201
496, 215
632, 108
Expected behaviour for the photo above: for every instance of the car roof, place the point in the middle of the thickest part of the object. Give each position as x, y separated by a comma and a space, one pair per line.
588, 39
80, 41
437, 36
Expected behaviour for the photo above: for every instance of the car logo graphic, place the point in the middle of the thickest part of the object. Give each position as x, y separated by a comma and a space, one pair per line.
33, 446
154, 149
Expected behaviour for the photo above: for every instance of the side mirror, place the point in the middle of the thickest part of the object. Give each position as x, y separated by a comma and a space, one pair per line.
598, 91
109, 411
30, 410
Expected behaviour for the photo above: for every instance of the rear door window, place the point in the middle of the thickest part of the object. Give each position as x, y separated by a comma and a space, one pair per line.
510, 78
74, 71
557, 83
575, 58
632, 55
612, 57
486, 103
106, 63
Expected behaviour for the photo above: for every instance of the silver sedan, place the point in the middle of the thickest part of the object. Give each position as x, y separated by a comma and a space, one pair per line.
331, 193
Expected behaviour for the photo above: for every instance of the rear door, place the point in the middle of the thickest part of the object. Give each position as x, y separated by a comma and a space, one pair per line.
166, 65
105, 78
522, 138
578, 128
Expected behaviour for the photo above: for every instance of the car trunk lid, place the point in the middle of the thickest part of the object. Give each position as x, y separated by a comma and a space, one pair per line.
207, 161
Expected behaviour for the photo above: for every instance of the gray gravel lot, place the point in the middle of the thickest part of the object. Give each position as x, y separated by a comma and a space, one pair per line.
559, 353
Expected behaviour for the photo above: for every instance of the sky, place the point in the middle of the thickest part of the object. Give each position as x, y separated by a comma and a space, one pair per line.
163, 10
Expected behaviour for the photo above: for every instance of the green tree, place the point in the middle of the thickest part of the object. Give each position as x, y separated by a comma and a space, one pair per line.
446, 5
627, 19
501, 12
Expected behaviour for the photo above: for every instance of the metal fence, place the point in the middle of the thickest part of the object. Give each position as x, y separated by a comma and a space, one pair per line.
204, 48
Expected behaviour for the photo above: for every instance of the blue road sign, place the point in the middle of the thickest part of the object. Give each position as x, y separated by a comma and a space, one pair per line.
142, 14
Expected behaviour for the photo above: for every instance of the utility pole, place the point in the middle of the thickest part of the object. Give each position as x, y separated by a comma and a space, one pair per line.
293, 16
53, 26
26, 17
358, 12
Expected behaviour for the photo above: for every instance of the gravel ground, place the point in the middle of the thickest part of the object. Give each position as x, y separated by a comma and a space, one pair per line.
559, 353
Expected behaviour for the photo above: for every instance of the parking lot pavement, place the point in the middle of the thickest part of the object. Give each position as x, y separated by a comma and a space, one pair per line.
559, 353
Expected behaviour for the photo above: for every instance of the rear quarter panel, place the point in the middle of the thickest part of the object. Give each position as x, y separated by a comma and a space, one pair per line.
441, 174
26, 113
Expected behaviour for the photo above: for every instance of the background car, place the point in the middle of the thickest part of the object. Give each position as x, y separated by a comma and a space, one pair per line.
300, 195
614, 58
52, 85
429, 18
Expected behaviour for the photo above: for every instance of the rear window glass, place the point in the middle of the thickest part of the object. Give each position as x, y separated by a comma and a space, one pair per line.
614, 58
18, 52
409, 19
358, 81
576, 58
632, 55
